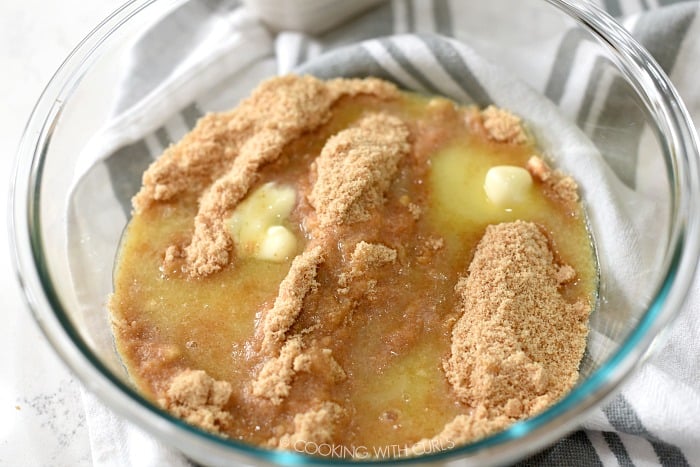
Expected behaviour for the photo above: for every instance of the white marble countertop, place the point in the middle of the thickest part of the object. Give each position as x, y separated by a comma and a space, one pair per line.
41, 415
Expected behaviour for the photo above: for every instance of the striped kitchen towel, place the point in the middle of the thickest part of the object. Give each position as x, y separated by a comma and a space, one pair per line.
655, 418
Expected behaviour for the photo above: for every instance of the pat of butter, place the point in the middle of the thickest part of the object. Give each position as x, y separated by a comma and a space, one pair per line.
506, 185
278, 244
257, 224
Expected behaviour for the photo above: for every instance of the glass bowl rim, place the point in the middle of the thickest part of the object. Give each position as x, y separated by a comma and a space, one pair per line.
522, 437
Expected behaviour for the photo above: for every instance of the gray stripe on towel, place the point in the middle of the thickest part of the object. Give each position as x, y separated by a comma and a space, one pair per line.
592, 89
663, 31
458, 70
183, 27
443, 17
410, 15
303, 54
618, 449
125, 167
618, 145
655, 31
612, 7
162, 136
575, 449
335, 65
398, 55
672, 2
563, 64
623, 418
191, 114
376, 22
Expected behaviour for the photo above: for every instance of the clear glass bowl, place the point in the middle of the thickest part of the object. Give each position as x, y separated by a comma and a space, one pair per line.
69, 302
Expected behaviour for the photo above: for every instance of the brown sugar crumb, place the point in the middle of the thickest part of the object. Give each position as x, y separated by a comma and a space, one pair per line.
371, 289
191, 164
355, 169
317, 425
382, 286
426, 249
415, 210
560, 185
462, 429
173, 255
276, 376
565, 274
435, 243
517, 345
367, 255
376, 87
320, 362
197, 398
223, 154
299, 281
233, 144
502, 126
209, 250
364, 257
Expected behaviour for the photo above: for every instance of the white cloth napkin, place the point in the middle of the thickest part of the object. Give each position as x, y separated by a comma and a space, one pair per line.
656, 417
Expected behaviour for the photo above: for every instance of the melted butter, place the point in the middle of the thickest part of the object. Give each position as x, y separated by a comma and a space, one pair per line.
196, 319
460, 208
459, 199
507, 185
404, 400
396, 388
259, 224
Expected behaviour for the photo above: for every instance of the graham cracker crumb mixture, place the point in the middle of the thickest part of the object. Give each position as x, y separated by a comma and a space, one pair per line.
401, 317
274, 380
517, 346
435, 243
365, 256
197, 398
317, 426
473, 426
415, 210
560, 185
300, 280
355, 169
502, 126
224, 153
370, 254
276, 375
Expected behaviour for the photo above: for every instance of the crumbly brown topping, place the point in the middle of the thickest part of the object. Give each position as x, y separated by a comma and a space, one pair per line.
313, 426
516, 341
367, 255
517, 345
435, 243
356, 167
502, 126
320, 361
565, 274
276, 376
223, 154
198, 399
462, 429
300, 280
364, 257
191, 164
415, 210
561, 186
